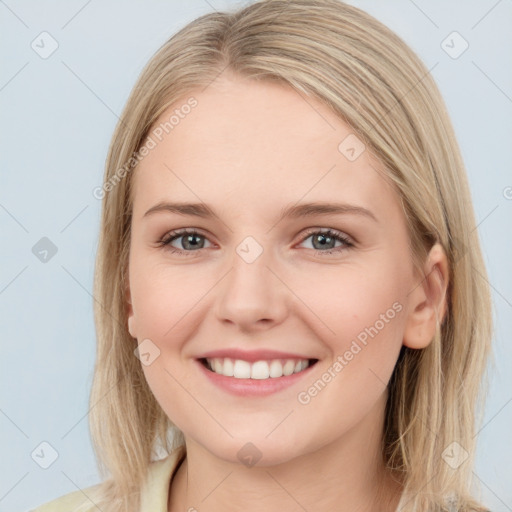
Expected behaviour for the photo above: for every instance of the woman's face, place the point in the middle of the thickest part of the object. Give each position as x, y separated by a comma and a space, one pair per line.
261, 281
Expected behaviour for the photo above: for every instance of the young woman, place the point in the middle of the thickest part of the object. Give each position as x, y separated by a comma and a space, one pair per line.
289, 309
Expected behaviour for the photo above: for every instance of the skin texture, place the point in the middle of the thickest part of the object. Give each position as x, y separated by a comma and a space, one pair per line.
248, 150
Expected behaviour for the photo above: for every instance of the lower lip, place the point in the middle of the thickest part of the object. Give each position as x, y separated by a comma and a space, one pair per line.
253, 387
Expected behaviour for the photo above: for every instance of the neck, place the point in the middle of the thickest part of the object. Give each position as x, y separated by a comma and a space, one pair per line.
345, 475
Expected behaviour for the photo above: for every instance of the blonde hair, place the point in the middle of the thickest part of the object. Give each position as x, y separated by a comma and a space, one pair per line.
373, 81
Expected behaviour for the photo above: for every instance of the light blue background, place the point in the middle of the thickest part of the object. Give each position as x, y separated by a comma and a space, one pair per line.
58, 115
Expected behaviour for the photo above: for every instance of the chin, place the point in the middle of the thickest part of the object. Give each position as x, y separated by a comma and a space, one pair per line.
255, 450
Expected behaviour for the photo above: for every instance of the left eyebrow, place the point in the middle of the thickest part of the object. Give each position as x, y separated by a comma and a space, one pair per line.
306, 209
293, 211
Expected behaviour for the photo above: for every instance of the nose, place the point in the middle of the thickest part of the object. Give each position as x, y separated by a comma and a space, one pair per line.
252, 296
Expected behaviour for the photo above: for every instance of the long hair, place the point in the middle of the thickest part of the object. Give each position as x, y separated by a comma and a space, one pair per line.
373, 81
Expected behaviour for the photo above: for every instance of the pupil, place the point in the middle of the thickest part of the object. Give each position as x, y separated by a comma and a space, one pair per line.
324, 240
188, 240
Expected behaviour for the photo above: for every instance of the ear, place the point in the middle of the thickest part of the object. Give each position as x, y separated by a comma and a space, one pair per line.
428, 301
129, 308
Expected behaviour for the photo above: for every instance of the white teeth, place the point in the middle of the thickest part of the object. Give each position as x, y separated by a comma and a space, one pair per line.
228, 369
276, 369
217, 365
288, 367
241, 369
259, 370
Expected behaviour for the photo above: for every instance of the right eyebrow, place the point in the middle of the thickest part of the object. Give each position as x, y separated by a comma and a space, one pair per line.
195, 209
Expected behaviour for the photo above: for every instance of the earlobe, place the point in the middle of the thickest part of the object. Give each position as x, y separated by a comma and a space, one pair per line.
130, 317
129, 311
131, 320
428, 301
131, 326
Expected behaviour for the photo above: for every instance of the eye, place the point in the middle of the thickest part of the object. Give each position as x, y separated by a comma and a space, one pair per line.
191, 241
324, 241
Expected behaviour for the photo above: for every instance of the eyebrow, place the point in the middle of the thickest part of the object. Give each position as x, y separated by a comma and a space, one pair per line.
293, 211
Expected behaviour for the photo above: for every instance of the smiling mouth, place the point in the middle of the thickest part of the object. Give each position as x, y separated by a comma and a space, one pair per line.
258, 370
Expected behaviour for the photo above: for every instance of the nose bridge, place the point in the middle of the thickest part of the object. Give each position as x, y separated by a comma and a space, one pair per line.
250, 292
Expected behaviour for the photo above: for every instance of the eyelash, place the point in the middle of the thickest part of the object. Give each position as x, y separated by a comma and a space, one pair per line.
174, 235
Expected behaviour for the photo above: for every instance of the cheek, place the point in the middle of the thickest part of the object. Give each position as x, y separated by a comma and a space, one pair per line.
348, 301
167, 304
364, 313
164, 299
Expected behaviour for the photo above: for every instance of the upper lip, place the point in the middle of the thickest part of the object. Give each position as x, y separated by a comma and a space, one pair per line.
251, 355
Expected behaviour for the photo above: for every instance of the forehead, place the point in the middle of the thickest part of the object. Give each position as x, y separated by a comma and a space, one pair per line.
259, 143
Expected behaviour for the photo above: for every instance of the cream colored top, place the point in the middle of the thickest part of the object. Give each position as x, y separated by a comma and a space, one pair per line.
154, 494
